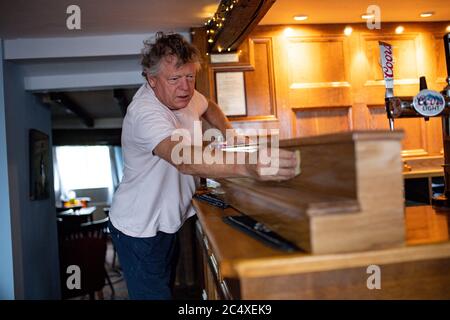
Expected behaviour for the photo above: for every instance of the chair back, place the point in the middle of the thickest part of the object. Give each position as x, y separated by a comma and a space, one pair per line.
83, 245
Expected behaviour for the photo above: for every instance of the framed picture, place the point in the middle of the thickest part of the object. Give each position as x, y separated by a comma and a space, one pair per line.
39, 165
230, 93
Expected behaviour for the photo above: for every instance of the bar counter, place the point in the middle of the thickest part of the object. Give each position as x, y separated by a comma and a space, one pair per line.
237, 266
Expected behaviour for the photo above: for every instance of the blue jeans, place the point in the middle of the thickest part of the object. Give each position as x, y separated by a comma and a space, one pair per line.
148, 264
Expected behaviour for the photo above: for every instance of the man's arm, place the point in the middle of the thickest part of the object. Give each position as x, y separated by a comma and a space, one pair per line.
286, 162
215, 116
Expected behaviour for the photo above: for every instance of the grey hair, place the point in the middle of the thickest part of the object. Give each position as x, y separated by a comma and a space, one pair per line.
165, 45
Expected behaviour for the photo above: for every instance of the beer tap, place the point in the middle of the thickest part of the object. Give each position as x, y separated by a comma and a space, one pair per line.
427, 103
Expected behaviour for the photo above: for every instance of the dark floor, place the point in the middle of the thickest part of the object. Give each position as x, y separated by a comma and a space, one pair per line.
120, 288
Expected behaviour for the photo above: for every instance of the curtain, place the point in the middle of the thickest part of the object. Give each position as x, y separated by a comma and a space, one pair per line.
115, 154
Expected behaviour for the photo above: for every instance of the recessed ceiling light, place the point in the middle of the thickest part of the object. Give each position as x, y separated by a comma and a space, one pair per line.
367, 16
288, 32
399, 29
348, 31
426, 14
300, 17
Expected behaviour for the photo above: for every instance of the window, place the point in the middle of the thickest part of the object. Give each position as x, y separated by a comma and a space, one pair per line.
83, 167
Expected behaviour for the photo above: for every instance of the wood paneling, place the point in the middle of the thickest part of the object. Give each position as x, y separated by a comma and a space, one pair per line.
422, 138
259, 83
317, 72
316, 121
311, 79
441, 70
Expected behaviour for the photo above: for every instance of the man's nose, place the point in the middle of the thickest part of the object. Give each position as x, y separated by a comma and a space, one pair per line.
184, 83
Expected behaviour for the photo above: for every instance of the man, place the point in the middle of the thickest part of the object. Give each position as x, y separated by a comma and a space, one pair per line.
154, 196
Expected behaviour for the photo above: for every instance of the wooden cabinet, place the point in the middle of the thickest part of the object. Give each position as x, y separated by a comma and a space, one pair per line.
214, 286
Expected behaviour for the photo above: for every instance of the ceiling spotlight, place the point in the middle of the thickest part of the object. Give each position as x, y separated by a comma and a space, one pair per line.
426, 14
348, 31
367, 16
300, 17
399, 29
288, 32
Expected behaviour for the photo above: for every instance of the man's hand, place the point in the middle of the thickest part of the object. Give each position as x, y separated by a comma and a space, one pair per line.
267, 164
274, 165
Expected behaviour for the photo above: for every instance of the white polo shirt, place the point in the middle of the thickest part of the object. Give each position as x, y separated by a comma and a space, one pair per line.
153, 195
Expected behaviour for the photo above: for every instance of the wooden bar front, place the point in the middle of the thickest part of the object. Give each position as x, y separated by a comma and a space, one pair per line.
346, 212
236, 266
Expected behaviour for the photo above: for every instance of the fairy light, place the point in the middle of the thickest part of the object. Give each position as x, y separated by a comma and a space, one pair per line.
216, 22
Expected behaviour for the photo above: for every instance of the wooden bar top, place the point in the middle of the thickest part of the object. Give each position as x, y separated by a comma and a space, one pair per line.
439, 172
239, 256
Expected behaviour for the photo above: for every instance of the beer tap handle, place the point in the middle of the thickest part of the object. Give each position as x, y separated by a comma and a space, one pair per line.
387, 65
423, 86
423, 83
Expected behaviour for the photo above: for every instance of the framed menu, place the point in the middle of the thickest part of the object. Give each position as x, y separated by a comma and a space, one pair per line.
230, 93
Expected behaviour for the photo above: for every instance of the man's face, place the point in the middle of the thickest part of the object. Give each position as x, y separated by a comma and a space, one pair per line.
173, 86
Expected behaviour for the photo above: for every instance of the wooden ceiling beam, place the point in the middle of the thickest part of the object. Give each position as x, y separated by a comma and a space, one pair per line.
122, 100
230, 28
65, 101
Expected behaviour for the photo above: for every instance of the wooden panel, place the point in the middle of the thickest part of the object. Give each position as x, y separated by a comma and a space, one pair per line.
414, 280
434, 136
317, 69
421, 137
441, 66
259, 83
313, 61
378, 118
415, 141
321, 121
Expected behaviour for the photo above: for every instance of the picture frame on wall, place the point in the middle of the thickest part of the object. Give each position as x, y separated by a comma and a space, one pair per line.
230, 93
39, 165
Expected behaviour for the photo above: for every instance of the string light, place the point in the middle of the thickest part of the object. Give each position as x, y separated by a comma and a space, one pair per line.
216, 22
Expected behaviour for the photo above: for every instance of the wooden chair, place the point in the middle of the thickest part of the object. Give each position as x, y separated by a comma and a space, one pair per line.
84, 245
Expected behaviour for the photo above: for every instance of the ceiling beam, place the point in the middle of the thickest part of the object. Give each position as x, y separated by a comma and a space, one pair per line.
233, 22
63, 100
122, 100
66, 137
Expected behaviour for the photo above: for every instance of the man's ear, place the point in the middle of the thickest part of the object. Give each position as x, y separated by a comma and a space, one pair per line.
151, 81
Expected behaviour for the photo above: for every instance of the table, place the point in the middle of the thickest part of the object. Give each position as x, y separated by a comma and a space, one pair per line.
84, 214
